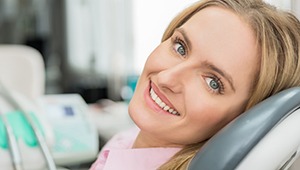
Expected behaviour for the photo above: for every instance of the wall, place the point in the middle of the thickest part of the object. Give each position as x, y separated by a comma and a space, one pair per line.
151, 18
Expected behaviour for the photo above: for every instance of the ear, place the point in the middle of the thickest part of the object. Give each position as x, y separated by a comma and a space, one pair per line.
265, 137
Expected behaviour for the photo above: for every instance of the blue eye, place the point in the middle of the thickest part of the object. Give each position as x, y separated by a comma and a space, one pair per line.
180, 49
179, 46
215, 84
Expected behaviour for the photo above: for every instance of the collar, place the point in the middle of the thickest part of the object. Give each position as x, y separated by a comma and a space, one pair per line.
135, 159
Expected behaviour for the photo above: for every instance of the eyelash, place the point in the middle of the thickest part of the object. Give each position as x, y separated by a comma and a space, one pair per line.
215, 78
178, 40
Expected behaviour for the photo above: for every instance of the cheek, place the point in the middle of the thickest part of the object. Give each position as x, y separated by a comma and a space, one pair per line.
154, 63
206, 113
161, 58
210, 115
136, 107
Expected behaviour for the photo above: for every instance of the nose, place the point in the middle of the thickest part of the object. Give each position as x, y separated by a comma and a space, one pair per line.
173, 78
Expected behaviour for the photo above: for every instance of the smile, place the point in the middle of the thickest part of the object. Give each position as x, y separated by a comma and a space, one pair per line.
161, 104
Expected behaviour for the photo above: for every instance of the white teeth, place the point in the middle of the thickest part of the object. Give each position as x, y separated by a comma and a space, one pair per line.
153, 95
166, 108
161, 104
158, 100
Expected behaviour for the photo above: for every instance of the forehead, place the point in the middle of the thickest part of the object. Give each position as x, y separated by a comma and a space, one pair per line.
216, 23
225, 39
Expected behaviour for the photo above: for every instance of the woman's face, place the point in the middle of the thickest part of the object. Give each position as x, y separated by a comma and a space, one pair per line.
198, 80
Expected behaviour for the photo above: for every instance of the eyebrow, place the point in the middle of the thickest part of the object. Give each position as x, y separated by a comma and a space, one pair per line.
219, 71
185, 37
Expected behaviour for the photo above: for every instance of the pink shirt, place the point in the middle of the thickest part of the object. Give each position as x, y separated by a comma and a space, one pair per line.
118, 154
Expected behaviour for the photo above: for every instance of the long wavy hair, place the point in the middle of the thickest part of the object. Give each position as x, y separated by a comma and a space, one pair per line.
277, 33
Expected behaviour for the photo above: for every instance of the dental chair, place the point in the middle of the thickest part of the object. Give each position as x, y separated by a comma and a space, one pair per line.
266, 137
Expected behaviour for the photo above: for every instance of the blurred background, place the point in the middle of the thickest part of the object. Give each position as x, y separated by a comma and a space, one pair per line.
92, 47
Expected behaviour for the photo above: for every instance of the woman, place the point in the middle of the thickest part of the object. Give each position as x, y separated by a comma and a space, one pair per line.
217, 59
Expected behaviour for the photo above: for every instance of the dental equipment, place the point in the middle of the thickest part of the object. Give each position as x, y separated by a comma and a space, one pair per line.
13, 145
40, 139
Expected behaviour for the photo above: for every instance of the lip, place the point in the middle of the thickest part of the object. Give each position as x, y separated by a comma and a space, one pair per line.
152, 104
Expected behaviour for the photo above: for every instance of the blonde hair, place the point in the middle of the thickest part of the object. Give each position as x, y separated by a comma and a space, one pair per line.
278, 35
